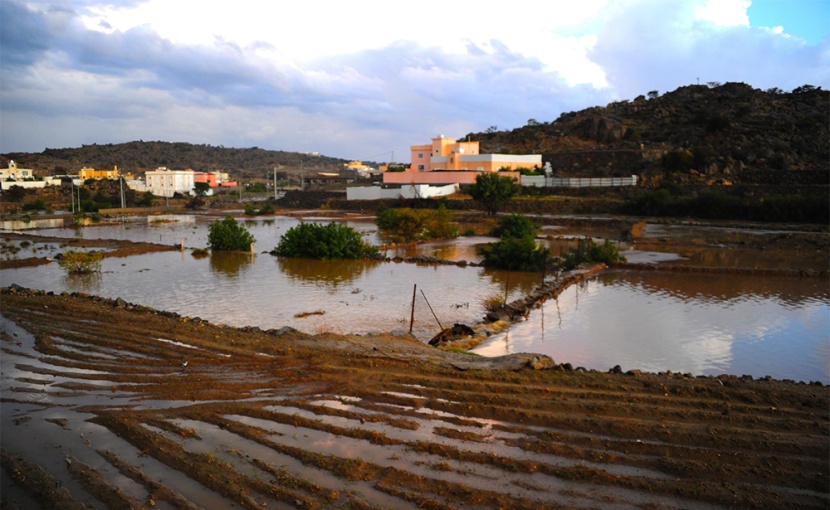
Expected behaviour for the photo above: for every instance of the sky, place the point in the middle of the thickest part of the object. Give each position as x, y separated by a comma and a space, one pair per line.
366, 79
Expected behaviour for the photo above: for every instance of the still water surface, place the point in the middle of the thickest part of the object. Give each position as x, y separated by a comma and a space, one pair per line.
651, 321
700, 324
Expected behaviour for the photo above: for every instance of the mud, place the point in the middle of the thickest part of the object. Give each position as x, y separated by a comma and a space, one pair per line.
281, 419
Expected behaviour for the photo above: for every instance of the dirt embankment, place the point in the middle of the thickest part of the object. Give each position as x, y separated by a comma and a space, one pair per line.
283, 419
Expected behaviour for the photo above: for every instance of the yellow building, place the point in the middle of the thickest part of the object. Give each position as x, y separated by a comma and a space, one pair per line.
91, 173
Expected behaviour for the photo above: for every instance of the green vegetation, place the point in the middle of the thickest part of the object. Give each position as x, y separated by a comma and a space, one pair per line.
404, 225
81, 262
492, 191
256, 187
589, 251
515, 253
516, 248
316, 241
251, 210
229, 235
515, 225
201, 189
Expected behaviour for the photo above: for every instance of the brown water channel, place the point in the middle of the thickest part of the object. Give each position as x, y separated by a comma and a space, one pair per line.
651, 321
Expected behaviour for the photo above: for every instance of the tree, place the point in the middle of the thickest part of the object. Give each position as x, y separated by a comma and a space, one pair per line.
492, 190
201, 189
316, 241
228, 235
16, 193
653, 94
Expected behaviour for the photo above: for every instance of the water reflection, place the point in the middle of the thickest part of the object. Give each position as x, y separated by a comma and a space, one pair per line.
230, 263
702, 324
326, 273
88, 283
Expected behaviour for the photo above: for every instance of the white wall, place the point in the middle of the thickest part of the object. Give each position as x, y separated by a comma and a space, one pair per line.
539, 181
405, 191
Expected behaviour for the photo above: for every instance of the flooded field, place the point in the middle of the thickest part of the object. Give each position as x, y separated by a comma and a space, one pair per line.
652, 321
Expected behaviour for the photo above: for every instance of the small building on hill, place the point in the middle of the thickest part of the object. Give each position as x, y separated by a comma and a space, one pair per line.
448, 161
91, 173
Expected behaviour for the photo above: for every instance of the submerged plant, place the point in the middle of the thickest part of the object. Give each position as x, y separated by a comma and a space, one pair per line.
81, 262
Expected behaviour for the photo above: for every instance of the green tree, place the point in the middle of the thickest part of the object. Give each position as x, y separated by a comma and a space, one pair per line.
201, 188
227, 234
492, 191
317, 241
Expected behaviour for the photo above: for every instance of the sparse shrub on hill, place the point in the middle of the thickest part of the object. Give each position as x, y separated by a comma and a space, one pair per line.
316, 241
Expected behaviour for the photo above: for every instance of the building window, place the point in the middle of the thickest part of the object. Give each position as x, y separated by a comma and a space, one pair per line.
420, 155
420, 167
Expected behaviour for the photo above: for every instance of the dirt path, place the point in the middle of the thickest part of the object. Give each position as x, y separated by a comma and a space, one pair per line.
98, 410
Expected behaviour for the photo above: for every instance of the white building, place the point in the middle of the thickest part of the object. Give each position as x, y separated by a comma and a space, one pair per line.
164, 183
13, 173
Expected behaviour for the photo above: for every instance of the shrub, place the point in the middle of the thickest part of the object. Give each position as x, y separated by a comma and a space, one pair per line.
402, 225
589, 251
36, 205
515, 253
227, 234
81, 262
332, 241
439, 225
515, 225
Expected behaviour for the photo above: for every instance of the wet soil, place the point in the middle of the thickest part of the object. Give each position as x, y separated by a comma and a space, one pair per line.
99, 411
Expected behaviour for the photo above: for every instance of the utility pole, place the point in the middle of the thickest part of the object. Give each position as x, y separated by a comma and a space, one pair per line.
275, 183
123, 200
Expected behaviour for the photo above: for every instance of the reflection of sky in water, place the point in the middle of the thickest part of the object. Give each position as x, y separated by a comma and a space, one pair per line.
193, 229
260, 290
699, 323
702, 324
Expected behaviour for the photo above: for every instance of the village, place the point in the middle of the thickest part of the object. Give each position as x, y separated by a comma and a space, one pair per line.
437, 169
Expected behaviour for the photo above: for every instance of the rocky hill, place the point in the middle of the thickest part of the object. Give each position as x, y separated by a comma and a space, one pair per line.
698, 133
140, 156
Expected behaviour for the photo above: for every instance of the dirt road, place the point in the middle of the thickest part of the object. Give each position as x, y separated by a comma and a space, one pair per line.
99, 410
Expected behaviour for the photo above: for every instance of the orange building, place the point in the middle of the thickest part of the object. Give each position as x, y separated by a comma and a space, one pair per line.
91, 173
448, 161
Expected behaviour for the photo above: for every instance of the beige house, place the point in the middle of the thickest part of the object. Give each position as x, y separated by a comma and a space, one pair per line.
448, 161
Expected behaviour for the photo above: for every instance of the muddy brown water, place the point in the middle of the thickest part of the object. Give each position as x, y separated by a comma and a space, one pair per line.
701, 324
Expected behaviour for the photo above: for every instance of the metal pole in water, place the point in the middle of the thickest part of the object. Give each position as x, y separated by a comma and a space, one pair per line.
431, 310
412, 318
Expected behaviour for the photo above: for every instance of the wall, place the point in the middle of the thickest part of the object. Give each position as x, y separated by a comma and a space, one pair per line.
577, 182
438, 178
410, 191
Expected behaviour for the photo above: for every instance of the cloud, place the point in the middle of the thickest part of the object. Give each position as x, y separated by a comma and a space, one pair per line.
303, 78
